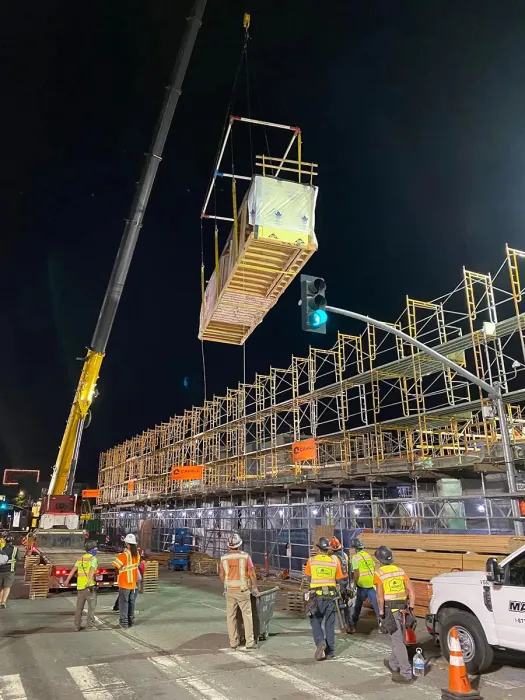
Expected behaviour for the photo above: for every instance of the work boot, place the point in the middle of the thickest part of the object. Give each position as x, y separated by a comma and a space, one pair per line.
252, 648
350, 629
3, 605
398, 678
320, 652
386, 664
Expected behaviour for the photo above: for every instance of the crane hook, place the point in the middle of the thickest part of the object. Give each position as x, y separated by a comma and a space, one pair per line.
246, 21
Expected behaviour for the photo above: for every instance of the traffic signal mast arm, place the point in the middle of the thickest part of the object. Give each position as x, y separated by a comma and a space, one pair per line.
494, 391
65, 467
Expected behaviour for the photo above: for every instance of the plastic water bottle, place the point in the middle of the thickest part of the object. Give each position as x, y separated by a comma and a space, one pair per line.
418, 663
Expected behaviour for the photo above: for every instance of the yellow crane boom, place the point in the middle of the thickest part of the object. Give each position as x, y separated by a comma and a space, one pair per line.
65, 467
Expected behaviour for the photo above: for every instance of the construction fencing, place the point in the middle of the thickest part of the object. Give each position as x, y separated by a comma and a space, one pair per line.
282, 535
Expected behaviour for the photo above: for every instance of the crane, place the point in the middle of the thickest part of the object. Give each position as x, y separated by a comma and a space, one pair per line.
59, 508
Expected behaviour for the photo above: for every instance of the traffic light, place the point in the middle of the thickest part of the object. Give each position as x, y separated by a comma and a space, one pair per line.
313, 303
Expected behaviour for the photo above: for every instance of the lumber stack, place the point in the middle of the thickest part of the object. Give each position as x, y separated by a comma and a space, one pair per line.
424, 556
161, 557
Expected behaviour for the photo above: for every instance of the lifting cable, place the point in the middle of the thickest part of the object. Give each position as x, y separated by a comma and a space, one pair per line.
243, 61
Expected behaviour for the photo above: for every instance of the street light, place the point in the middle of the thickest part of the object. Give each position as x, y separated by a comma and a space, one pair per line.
493, 390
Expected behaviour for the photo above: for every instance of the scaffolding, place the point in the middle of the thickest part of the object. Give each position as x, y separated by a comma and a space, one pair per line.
373, 407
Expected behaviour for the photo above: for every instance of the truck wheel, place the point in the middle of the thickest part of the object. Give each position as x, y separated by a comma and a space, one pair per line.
477, 653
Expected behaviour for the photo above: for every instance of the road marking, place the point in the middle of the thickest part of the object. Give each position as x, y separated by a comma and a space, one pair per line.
11, 688
94, 689
195, 686
295, 677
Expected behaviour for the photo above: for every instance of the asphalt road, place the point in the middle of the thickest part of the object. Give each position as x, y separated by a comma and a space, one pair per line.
179, 650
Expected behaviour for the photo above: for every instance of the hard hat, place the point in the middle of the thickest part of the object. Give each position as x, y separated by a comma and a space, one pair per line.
90, 544
323, 544
235, 541
335, 545
357, 543
130, 539
384, 555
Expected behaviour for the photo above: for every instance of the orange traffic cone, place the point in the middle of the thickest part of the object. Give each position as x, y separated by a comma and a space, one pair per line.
458, 682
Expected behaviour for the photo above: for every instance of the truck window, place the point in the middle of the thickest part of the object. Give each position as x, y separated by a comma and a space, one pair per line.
515, 571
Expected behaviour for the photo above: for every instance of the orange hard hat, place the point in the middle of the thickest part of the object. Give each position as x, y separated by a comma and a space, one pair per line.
335, 544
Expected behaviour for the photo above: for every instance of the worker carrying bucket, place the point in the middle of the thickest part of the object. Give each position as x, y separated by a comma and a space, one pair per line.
395, 598
238, 576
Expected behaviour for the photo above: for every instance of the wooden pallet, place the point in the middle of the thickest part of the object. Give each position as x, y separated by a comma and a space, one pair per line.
30, 561
295, 601
150, 579
39, 585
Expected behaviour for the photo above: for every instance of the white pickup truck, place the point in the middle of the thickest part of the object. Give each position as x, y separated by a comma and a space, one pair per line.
487, 608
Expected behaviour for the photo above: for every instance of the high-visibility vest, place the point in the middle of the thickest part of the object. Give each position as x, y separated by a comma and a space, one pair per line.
323, 569
235, 567
393, 580
12, 561
127, 568
84, 564
366, 567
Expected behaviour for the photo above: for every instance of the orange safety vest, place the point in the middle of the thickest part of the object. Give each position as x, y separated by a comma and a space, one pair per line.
127, 568
235, 567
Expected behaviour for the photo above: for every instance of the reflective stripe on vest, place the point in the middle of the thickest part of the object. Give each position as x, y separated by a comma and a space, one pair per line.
235, 583
129, 567
323, 569
366, 568
83, 566
12, 561
392, 578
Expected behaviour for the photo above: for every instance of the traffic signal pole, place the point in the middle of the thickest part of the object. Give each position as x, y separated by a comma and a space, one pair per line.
493, 390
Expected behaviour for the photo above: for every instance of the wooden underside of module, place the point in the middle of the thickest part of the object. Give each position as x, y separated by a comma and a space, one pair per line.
263, 271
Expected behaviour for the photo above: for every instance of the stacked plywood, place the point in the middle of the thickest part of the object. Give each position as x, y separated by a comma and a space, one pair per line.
424, 556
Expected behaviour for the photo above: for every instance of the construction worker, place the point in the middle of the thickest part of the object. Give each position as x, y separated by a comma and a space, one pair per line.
85, 568
323, 573
363, 568
336, 548
396, 598
7, 568
238, 576
127, 565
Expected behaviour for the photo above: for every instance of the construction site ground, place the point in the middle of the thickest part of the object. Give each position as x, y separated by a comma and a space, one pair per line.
179, 649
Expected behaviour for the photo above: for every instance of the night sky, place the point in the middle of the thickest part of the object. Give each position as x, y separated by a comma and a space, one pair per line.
414, 111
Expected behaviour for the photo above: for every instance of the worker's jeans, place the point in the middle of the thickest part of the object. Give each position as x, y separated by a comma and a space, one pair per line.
398, 660
325, 612
89, 596
126, 604
242, 600
361, 595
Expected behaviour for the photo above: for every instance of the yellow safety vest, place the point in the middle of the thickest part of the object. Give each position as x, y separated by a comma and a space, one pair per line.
84, 564
392, 578
12, 561
323, 569
235, 566
366, 567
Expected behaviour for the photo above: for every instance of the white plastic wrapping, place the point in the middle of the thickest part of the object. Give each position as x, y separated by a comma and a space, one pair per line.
283, 205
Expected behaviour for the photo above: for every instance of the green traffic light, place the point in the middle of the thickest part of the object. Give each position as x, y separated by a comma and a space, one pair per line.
318, 318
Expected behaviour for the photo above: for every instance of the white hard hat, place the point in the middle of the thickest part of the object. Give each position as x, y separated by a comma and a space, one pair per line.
130, 539
235, 541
